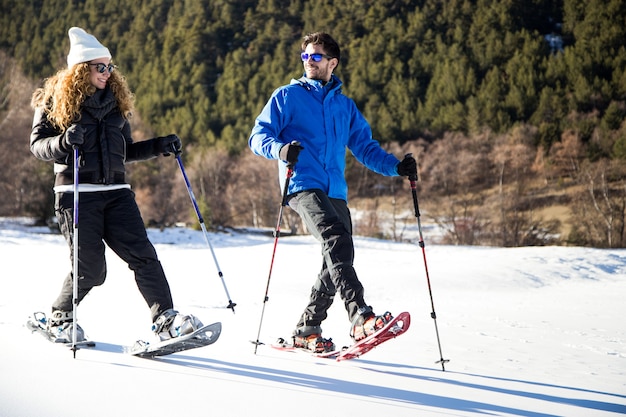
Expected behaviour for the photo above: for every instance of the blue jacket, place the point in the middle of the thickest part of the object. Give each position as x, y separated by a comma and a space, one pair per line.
325, 122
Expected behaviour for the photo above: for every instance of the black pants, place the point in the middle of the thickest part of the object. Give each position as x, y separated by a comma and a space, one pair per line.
329, 221
110, 217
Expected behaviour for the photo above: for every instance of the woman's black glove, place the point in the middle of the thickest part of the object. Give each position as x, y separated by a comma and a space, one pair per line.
168, 144
74, 137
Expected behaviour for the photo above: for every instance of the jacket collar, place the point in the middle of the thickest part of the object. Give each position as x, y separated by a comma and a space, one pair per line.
334, 85
100, 103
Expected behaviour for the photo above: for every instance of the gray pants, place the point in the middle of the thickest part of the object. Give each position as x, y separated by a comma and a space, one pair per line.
329, 220
110, 217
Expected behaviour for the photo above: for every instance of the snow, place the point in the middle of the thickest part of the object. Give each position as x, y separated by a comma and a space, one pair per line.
534, 331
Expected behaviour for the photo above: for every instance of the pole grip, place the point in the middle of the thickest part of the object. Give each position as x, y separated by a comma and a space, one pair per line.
412, 177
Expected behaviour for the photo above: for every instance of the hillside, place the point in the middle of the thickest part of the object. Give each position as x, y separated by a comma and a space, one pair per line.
514, 109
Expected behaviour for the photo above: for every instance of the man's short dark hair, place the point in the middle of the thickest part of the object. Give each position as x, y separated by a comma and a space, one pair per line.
331, 47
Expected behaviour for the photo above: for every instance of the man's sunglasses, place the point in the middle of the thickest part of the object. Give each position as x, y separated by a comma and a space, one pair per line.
315, 57
100, 67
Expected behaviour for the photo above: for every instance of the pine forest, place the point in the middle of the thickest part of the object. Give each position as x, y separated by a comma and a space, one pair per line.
514, 109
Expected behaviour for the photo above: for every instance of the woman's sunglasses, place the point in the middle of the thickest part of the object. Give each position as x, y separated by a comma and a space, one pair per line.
100, 67
315, 57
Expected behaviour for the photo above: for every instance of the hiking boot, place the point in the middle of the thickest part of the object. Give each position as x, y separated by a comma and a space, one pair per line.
60, 317
64, 333
61, 326
172, 324
314, 342
368, 323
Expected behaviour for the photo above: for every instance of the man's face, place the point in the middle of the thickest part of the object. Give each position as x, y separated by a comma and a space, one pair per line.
318, 70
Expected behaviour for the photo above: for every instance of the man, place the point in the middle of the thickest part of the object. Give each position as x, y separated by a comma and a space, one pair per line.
311, 122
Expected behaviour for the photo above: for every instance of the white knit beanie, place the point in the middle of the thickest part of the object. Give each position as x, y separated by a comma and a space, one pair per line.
84, 47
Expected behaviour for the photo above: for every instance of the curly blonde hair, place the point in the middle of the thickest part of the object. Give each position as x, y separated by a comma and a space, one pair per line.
62, 94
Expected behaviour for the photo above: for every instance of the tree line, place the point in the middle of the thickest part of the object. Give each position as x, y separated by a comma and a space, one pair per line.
532, 93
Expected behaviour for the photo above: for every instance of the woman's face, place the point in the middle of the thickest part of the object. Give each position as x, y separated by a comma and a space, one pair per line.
99, 72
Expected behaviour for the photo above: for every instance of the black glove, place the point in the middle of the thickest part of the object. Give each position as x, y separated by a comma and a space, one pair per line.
289, 153
168, 144
74, 136
407, 167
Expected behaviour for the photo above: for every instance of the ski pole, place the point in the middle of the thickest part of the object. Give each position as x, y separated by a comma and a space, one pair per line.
75, 256
276, 236
413, 181
230, 305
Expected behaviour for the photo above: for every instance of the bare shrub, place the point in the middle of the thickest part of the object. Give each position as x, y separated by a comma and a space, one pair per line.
160, 192
566, 156
25, 182
255, 191
600, 209
209, 173
457, 163
513, 157
463, 219
455, 170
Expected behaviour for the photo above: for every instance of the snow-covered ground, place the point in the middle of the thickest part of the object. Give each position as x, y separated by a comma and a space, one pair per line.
536, 331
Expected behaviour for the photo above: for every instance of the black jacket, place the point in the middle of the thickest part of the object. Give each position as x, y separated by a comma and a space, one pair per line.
107, 146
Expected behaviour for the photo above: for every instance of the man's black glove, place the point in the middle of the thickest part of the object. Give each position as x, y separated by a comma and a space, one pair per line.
74, 136
407, 167
289, 153
168, 144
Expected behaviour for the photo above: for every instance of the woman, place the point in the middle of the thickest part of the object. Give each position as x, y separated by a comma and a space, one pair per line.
87, 106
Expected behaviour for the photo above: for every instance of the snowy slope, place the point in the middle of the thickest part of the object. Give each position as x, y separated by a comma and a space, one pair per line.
528, 331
